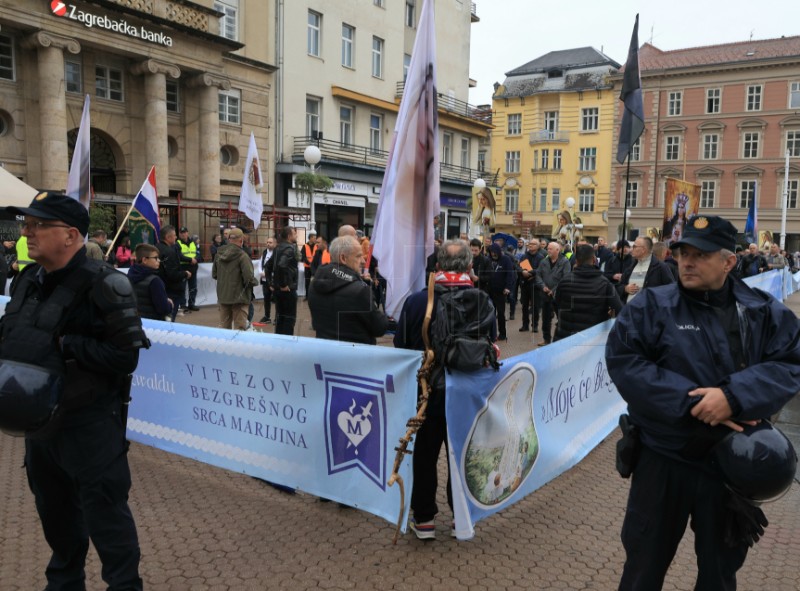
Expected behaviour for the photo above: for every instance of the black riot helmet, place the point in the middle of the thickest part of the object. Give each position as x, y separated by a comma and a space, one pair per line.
758, 464
30, 398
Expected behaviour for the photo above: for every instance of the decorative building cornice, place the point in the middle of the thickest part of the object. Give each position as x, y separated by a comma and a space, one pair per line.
207, 79
48, 39
153, 66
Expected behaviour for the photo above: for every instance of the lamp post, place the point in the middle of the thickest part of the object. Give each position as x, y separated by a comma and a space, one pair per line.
477, 185
312, 156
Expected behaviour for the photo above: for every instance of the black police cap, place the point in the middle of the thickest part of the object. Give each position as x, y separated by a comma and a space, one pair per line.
57, 206
708, 233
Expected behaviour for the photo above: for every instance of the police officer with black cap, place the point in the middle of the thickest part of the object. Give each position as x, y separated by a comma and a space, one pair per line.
75, 320
695, 361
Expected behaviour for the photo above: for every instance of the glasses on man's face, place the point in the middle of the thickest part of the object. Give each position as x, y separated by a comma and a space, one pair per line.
32, 227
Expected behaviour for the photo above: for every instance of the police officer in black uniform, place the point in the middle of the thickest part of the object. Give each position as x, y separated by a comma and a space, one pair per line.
76, 318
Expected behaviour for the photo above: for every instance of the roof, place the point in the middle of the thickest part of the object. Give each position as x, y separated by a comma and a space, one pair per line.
653, 58
564, 59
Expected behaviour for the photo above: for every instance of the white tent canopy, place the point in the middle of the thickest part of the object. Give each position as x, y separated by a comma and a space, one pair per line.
13, 191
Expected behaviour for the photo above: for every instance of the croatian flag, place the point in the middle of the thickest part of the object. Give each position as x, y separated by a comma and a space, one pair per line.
409, 200
79, 182
146, 202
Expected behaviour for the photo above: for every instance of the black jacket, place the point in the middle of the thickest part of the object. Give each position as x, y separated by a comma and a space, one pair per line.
614, 265
534, 260
342, 307
657, 274
284, 266
151, 295
584, 298
752, 264
170, 270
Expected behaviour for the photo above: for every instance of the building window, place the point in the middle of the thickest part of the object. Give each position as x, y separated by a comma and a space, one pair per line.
754, 97
588, 159
536, 160
512, 200
229, 21
346, 125
545, 158
713, 100
636, 150
7, 57
73, 75
515, 124
464, 152
708, 194
228, 155
482, 161
512, 162
377, 57
586, 200
406, 65
793, 143
633, 194
313, 33
229, 106
747, 192
108, 83
750, 141
173, 96
673, 147
348, 38
794, 94
556, 199
313, 111
710, 146
447, 148
794, 185
674, 103
557, 159
551, 123
590, 119
411, 17
375, 126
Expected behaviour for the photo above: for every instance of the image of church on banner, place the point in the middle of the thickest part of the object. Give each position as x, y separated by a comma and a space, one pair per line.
681, 203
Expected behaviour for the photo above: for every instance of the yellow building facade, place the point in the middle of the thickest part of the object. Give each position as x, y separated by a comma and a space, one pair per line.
552, 144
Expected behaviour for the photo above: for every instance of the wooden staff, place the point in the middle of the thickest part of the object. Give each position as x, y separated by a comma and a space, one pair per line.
415, 422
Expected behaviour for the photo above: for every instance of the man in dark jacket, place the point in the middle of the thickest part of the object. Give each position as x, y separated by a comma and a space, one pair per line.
284, 281
648, 271
550, 273
502, 278
480, 265
530, 293
151, 295
341, 303
454, 273
693, 360
171, 272
753, 262
584, 297
619, 263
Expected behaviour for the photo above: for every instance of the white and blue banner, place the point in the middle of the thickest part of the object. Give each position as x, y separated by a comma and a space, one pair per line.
315, 415
513, 431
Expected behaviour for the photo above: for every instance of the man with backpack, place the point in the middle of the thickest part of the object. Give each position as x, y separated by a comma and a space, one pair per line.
463, 329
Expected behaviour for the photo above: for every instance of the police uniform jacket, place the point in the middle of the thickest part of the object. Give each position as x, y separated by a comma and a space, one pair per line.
666, 343
342, 306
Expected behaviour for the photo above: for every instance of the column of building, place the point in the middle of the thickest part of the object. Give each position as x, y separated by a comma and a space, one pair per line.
208, 87
155, 116
54, 153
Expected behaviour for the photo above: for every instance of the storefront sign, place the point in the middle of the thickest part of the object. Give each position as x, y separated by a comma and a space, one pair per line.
117, 25
453, 201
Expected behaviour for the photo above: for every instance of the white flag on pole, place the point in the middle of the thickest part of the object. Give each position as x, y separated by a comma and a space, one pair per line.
79, 182
409, 201
250, 202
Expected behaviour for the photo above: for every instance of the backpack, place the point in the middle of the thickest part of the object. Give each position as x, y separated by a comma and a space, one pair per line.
460, 333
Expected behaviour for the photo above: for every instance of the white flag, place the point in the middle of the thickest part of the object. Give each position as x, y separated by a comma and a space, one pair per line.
250, 202
403, 235
79, 182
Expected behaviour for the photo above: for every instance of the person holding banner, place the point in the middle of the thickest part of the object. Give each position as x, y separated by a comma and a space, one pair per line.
696, 361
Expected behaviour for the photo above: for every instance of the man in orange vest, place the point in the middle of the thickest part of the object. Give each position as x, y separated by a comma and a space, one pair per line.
321, 257
307, 256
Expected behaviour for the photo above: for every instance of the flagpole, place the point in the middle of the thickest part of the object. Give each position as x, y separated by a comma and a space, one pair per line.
121, 226
625, 203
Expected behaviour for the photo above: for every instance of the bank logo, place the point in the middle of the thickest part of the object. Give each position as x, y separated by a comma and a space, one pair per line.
58, 8
355, 423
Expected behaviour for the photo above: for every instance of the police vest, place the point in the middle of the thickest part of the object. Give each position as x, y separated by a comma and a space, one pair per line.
188, 250
22, 253
310, 252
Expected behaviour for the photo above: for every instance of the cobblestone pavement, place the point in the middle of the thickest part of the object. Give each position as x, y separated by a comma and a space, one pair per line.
203, 528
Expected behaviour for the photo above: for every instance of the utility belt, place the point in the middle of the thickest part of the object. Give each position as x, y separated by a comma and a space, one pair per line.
628, 447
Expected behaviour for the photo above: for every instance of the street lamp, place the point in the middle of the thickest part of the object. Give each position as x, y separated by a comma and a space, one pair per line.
312, 156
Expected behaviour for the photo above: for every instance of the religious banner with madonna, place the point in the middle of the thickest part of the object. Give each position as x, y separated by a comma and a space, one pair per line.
681, 203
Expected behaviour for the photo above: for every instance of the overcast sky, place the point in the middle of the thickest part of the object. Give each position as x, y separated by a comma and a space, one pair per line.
514, 32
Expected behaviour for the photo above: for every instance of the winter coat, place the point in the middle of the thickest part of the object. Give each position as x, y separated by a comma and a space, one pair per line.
584, 298
501, 272
342, 306
284, 266
151, 295
170, 270
665, 343
234, 273
550, 274
614, 265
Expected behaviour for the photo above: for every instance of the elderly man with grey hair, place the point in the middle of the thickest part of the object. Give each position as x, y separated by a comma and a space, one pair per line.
341, 303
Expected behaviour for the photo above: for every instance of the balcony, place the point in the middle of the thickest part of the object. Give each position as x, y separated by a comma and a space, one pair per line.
450, 104
350, 154
546, 135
